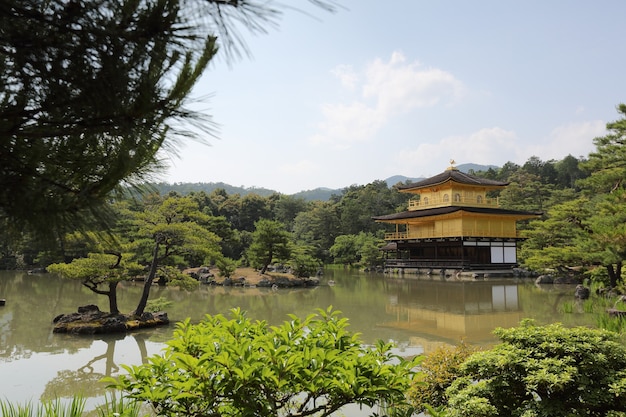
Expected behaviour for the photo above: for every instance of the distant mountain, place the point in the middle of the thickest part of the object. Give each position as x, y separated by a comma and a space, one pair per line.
321, 193
391, 181
475, 167
208, 187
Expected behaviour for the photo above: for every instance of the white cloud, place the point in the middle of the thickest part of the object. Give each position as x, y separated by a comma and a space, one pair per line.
482, 147
493, 146
346, 76
398, 87
387, 89
575, 139
299, 168
344, 124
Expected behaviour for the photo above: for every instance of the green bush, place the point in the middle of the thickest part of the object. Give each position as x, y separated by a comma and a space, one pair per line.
543, 371
236, 367
437, 371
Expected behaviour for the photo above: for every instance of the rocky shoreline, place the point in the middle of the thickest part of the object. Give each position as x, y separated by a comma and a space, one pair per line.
90, 320
248, 277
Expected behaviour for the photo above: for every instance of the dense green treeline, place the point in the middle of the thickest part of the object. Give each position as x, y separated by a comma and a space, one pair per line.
582, 198
334, 231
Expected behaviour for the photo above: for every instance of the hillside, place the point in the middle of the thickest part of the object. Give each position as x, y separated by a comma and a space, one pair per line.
320, 193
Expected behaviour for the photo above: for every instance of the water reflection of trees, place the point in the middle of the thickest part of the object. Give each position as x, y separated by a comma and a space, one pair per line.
86, 380
26, 319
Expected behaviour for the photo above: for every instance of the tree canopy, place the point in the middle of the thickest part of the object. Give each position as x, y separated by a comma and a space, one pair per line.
589, 228
92, 90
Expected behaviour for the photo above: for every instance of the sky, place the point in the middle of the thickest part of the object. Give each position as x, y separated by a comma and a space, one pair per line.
402, 87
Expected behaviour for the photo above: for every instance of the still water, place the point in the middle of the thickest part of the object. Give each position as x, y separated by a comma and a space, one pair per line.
418, 314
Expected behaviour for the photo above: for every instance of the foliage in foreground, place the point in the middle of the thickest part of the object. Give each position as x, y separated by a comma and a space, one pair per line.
227, 367
437, 371
53, 408
543, 371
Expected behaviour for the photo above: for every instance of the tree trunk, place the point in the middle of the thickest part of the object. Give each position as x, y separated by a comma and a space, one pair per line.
146, 286
613, 275
268, 261
113, 297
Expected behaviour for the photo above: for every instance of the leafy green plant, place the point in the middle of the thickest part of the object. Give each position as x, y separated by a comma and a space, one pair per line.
228, 367
226, 266
158, 304
437, 371
543, 371
304, 265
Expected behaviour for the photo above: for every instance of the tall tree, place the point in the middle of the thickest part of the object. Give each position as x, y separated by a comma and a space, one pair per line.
568, 171
101, 273
607, 165
92, 90
318, 228
253, 207
270, 242
172, 233
605, 185
590, 229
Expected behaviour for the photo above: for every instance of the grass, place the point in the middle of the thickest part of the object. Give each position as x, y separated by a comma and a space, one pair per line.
54, 408
598, 306
614, 324
75, 408
119, 408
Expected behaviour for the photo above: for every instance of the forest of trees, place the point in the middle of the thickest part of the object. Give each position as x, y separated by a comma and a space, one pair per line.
72, 165
583, 201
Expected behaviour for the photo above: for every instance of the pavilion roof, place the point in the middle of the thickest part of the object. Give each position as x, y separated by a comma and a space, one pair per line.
453, 174
438, 211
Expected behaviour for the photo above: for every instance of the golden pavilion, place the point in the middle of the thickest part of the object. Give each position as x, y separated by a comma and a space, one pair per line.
453, 224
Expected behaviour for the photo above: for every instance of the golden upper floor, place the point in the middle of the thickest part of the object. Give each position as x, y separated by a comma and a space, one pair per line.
452, 188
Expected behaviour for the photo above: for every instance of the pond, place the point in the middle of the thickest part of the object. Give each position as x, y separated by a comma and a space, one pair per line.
417, 313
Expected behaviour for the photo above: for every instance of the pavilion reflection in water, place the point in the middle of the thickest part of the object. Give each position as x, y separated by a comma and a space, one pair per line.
446, 312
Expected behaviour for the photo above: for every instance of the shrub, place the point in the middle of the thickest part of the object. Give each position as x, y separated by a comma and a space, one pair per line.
230, 367
543, 371
437, 371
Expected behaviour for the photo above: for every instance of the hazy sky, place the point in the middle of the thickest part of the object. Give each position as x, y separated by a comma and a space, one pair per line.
382, 88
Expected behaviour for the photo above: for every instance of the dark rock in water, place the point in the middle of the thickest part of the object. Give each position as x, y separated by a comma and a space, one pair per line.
613, 312
581, 293
90, 320
283, 282
2, 301
567, 279
544, 279
89, 309
264, 282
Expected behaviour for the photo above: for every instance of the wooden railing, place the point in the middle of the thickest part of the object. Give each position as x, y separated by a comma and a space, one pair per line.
427, 263
430, 234
443, 263
432, 202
